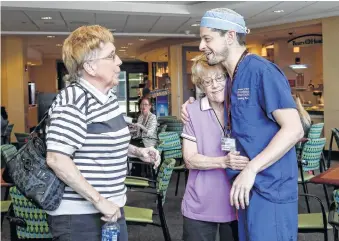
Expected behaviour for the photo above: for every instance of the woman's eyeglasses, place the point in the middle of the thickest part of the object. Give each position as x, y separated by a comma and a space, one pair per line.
109, 57
208, 81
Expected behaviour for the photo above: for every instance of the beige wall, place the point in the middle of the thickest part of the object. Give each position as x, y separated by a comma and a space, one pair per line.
312, 56
45, 76
14, 82
175, 71
330, 28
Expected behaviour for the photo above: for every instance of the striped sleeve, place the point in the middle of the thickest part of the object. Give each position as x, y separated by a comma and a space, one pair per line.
67, 130
188, 131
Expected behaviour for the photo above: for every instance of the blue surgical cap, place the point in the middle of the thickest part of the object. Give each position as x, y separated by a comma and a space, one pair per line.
224, 19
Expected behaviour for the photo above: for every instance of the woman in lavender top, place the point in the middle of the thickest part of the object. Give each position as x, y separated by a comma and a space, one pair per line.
206, 203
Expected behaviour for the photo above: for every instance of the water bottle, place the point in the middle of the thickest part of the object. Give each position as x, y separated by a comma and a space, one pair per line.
110, 231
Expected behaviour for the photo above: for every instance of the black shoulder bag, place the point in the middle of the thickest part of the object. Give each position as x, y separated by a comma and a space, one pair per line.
30, 173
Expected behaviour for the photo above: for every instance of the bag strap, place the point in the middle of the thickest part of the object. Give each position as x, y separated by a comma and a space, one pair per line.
44, 117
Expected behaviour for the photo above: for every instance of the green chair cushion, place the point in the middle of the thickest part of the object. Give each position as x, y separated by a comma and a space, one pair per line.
35, 218
307, 177
136, 182
181, 167
311, 221
140, 215
5, 206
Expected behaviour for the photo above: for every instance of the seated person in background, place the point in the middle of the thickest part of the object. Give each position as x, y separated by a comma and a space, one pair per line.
304, 116
4, 122
146, 127
4, 119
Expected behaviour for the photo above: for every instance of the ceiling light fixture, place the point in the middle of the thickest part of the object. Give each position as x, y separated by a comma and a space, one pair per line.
124, 47
130, 44
122, 50
50, 36
46, 18
298, 66
58, 45
195, 25
142, 39
278, 11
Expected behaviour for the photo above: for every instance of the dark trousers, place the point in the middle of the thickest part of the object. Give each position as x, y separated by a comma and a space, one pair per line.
195, 230
86, 227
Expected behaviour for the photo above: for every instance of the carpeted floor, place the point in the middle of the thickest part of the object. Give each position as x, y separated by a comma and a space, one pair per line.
174, 218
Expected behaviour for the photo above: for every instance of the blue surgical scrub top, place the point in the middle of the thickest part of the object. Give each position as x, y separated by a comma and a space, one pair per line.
260, 88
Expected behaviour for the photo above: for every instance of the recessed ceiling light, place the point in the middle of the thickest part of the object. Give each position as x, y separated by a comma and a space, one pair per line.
58, 45
278, 11
130, 44
46, 18
122, 50
195, 25
50, 36
124, 47
142, 39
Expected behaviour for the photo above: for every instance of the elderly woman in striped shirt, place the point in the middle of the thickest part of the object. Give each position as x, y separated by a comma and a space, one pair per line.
88, 140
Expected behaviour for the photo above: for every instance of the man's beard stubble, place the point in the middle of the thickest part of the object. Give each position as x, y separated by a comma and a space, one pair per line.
219, 56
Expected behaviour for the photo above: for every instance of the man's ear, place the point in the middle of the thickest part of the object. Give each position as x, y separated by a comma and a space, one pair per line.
89, 68
231, 37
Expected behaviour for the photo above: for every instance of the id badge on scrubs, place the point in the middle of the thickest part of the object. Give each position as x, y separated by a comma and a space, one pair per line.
228, 144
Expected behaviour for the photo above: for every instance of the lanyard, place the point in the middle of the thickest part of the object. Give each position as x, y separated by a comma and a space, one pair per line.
222, 128
229, 94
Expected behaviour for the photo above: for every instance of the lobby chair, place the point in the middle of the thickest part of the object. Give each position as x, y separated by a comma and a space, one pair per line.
315, 131
311, 161
27, 221
333, 215
6, 136
171, 147
7, 152
21, 138
314, 222
145, 216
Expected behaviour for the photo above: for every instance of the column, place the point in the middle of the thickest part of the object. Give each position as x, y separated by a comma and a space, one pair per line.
175, 72
14, 82
330, 33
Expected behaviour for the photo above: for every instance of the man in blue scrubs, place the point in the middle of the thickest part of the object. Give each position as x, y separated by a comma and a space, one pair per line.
261, 117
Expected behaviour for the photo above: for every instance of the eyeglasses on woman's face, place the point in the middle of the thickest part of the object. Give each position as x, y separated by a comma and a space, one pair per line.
207, 81
109, 57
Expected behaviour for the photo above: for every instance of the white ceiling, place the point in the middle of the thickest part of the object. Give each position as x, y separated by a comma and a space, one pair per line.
155, 20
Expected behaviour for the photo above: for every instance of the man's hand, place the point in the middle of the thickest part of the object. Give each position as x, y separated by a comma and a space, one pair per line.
150, 155
235, 161
110, 211
184, 115
240, 192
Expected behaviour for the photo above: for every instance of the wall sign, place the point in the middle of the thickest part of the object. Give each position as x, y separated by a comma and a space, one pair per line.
305, 40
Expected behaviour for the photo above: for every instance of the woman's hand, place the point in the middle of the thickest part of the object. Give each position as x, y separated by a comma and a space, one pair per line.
110, 210
150, 155
140, 126
235, 161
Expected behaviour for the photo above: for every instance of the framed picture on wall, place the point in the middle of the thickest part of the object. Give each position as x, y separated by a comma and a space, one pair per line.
292, 82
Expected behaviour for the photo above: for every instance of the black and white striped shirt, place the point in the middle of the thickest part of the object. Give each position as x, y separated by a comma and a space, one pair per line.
98, 143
